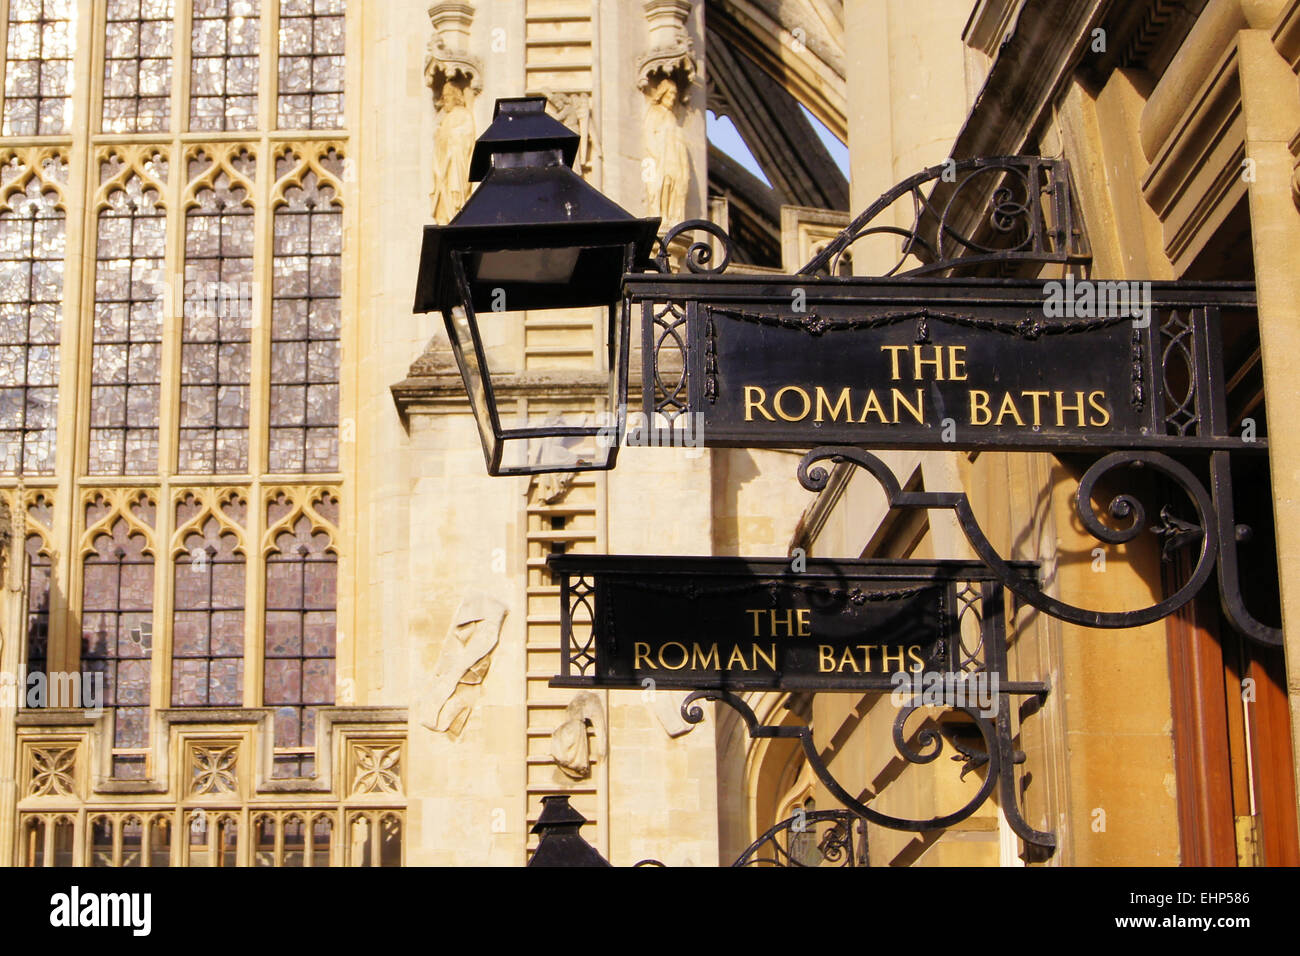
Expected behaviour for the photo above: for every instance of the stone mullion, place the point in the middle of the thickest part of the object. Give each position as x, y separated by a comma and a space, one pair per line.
349, 541
4, 49
180, 106
259, 388
268, 62
49, 837
173, 311
11, 656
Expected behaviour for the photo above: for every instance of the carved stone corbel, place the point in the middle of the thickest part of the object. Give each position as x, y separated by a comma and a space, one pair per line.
671, 54
449, 57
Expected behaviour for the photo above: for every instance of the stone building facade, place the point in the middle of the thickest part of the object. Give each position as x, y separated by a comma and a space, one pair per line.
244, 495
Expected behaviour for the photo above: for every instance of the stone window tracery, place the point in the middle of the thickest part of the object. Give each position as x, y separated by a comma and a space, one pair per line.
208, 605
191, 374
33, 236
306, 322
117, 624
217, 327
301, 622
126, 365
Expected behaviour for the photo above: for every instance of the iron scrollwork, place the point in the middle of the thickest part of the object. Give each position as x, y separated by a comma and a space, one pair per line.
1207, 533
698, 257
794, 842
1018, 225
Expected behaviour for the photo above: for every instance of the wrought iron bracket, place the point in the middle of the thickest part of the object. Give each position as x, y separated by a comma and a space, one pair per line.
1030, 216
997, 760
1214, 533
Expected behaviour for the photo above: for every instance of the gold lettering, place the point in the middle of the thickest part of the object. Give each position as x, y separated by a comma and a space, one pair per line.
642, 650
1008, 408
980, 414
682, 663
1093, 399
873, 405
920, 363
886, 657
769, 661
807, 403
914, 654
736, 656
1036, 397
866, 656
805, 624
956, 365
844, 403
917, 411
752, 403
825, 658
701, 660
1062, 408
757, 612
893, 351
787, 623
847, 659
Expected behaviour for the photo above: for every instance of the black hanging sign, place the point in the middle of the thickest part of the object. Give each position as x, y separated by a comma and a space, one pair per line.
749, 624
945, 365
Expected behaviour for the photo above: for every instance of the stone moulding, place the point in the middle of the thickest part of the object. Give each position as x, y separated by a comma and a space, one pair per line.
671, 53
191, 728
449, 57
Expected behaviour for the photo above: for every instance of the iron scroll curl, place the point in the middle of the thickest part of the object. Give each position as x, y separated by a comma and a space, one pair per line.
699, 255
814, 477
995, 755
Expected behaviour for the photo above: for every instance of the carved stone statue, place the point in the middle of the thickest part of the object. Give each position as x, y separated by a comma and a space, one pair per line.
574, 111
666, 169
570, 745
453, 143
463, 663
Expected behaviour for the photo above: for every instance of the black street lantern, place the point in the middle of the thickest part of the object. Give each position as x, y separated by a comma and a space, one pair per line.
533, 236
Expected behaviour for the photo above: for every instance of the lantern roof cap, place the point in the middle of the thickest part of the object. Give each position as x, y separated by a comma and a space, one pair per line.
521, 125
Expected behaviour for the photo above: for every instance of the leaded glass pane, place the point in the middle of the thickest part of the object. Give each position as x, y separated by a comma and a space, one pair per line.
312, 37
32, 247
117, 638
40, 39
306, 289
138, 66
39, 570
208, 621
216, 349
301, 625
127, 353
224, 64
